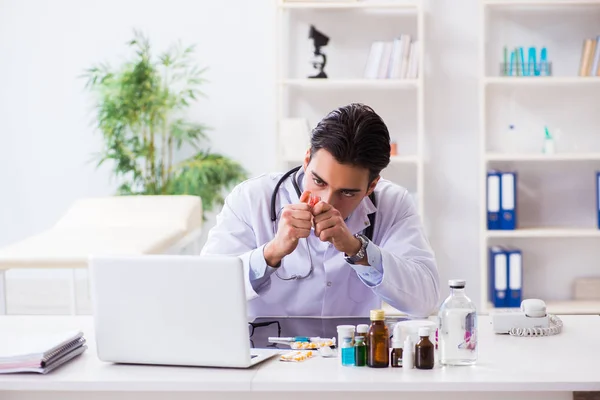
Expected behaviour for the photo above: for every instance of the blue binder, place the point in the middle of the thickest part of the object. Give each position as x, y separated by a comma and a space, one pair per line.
515, 278
493, 200
498, 277
598, 196
508, 204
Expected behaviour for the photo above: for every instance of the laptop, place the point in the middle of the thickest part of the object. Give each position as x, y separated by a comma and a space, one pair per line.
172, 310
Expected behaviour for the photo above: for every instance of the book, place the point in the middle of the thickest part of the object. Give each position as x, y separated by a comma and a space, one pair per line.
406, 47
395, 59
39, 353
587, 53
374, 59
413, 61
595, 71
384, 64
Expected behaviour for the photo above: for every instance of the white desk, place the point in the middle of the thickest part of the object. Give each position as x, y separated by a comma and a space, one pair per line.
536, 368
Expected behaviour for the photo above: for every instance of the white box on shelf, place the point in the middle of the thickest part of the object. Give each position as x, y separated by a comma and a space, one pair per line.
586, 288
294, 137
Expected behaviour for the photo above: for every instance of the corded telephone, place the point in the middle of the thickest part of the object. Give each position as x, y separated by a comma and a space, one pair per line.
530, 320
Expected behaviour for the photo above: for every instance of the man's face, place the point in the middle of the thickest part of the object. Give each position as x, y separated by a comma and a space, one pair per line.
341, 185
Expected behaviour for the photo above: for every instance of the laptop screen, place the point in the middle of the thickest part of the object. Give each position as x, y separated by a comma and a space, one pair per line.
262, 328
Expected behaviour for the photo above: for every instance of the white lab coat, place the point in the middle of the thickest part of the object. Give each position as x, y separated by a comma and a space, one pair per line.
410, 278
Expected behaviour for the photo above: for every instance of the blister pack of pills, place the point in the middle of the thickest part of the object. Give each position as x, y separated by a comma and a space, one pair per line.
315, 344
297, 356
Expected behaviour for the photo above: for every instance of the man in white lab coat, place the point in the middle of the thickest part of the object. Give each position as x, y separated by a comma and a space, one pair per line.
362, 243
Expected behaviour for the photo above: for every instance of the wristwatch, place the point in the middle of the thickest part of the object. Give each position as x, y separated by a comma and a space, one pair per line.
361, 252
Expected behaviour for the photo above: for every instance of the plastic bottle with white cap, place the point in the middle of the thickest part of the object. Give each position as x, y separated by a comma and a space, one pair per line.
362, 330
346, 344
407, 354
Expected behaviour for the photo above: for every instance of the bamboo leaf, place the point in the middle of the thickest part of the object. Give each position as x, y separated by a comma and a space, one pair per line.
141, 107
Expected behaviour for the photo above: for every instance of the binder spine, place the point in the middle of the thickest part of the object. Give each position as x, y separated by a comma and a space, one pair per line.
598, 197
498, 277
493, 200
508, 206
515, 278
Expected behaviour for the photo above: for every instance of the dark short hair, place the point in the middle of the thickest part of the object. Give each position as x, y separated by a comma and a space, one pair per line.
355, 135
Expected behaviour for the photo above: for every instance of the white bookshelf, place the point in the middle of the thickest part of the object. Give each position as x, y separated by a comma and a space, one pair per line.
353, 83
582, 307
537, 3
557, 157
399, 17
357, 4
573, 307
541, 81
505, 22
394, 160
544, 233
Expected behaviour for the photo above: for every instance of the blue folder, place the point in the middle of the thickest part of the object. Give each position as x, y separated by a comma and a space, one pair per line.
515, 277
598, 196
508, 205
493, 200
498, 277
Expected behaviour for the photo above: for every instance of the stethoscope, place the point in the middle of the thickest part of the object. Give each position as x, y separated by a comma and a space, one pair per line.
292, 172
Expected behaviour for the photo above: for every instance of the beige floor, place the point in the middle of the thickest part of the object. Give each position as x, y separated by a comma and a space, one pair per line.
45, 296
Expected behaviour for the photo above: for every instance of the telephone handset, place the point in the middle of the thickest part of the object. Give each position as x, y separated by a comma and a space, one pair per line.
530, 320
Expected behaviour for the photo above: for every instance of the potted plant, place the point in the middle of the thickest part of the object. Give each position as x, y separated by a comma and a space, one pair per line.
141, 112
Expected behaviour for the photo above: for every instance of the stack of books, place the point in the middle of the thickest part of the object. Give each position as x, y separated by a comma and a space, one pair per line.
397, 59
590, 58
39, 353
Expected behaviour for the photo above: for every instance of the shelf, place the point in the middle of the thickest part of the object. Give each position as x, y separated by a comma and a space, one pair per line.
540, 3
568, 307
573, 307
404, 159
541, 80
543, 157
353, 83
544, 233
348, 5
412, 159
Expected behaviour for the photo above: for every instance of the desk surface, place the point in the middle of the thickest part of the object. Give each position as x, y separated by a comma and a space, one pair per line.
566, 362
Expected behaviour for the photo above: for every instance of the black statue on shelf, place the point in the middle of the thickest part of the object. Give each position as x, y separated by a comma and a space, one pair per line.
319, 59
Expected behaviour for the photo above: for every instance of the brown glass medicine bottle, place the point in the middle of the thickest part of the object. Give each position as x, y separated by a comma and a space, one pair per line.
424, 350
378, 341
396, 356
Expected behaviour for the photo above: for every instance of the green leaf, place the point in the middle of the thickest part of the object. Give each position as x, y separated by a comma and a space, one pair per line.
141, 112
207, 175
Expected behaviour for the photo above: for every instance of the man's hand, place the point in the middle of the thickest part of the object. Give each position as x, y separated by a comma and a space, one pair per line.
294, 224
330, 227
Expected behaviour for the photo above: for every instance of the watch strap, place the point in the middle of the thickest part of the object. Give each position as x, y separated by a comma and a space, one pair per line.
361, 252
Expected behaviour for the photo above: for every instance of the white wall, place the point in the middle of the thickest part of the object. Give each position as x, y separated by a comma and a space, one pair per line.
46, 137
451, 114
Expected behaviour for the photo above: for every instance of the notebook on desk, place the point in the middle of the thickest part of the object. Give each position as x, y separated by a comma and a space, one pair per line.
39, 353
